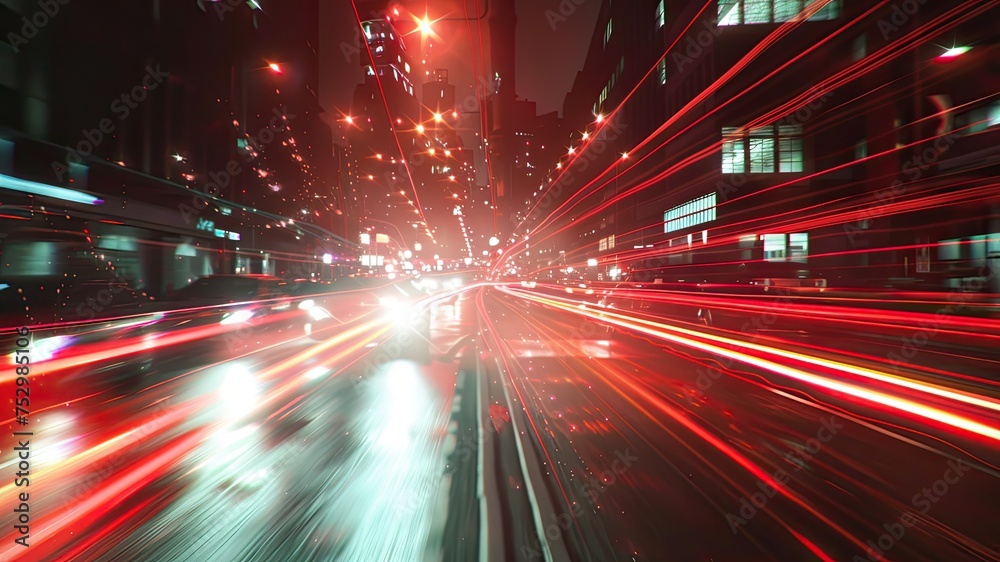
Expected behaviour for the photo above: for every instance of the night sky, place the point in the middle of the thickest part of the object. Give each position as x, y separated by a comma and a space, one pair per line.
548, 60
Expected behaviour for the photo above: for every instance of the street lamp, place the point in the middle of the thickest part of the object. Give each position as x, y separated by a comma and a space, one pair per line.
954, 52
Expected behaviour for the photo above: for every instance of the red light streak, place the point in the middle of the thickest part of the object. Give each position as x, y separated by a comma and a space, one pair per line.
697, 340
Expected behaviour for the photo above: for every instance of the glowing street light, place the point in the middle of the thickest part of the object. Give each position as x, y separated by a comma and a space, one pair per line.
424, 25
420, 129
438, 118
275, 67
954, 52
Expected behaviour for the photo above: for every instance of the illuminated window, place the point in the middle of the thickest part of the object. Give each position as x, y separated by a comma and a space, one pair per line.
732, 151
661, 15
775, 247
661, 69
979, 119
607, 32
861, 149
761, 149
738, 12
783, 11
829, 12
859, 48
758, 11
798, 247
790, 149
694, 212
730, 12
757, 152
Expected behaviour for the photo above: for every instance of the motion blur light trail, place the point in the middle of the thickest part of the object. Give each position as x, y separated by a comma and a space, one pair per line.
868, 64
620, 380
165, 430
980, 426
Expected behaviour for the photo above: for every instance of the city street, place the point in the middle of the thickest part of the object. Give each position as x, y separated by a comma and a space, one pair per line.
606, 445
500, 281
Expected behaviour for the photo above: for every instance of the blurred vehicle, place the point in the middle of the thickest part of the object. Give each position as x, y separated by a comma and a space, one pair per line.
48, 300
777, 274
245, 310
644, 283
230, 288
390, 296
309, 287
52, 276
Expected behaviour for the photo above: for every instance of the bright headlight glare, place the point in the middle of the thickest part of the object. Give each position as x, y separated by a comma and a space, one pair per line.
46, 349
238, 392
307, 304
318, 313
238, 317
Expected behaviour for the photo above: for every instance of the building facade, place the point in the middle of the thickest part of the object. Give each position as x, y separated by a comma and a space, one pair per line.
831, 134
